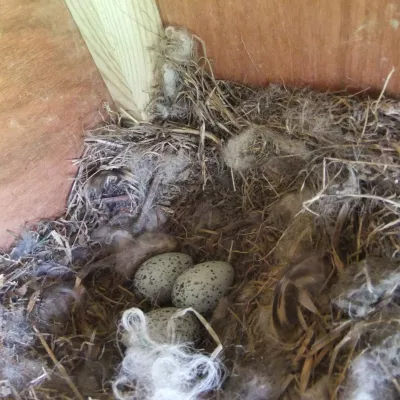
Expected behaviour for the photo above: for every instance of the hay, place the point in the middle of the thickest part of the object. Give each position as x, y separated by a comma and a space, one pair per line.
262, 178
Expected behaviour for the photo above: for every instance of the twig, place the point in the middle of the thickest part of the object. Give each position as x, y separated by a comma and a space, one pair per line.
355, 196
233, 180
363, 162
58, 365
127, 115
208, 135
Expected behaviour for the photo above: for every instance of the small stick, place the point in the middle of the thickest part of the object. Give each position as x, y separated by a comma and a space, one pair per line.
356, 196
127, 115
208, 135
58, 365
233, 180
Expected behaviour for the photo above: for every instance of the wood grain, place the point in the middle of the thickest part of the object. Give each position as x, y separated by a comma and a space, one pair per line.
50, 91
326, 44
119, 35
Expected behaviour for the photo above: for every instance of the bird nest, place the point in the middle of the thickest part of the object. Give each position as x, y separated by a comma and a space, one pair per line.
298, 190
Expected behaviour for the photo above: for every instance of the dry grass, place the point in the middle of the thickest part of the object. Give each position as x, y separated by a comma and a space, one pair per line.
338, 195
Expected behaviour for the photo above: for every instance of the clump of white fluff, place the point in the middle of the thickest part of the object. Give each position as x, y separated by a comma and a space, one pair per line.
372, 373
363, 285
177, 49
237, 151
180, 45
16, 336
257, 146
152, 370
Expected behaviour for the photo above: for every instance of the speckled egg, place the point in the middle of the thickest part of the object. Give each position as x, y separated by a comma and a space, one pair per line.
203, 285
187, 327
155, 278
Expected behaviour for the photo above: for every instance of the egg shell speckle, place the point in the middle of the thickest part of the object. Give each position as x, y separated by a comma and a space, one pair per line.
187, 327
203, 285
155, 278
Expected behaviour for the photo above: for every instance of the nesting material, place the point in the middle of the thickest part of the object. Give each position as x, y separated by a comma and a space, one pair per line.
299, 238
367, 286
177, 48
186, 327
151, 370
126, 259
17, 369
258, 146
300, 285
375, 372
317, 175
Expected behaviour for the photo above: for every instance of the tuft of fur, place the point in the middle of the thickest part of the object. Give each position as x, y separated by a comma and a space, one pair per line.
26, 245
319, 391
162, 371
16, 336
247, 383
53, 269
299, 230
112, 237
349, 185
97, 183
258, 147
363, 286
258, 378
372, 373
177, 49
128, 259
54, 305
144, 247
180, 46
237, 152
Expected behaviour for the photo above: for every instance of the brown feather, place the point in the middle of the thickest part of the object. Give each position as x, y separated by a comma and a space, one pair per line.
298, 285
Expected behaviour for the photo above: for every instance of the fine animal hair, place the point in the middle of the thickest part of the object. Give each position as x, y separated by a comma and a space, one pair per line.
152, 370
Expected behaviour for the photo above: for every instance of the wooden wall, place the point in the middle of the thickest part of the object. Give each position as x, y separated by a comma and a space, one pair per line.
329, 44
50, 91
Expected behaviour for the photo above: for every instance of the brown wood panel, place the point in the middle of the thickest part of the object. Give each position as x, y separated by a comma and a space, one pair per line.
329, 44
50, 90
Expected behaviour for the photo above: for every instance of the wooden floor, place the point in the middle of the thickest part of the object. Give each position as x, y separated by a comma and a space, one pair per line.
326, 44
50, 91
